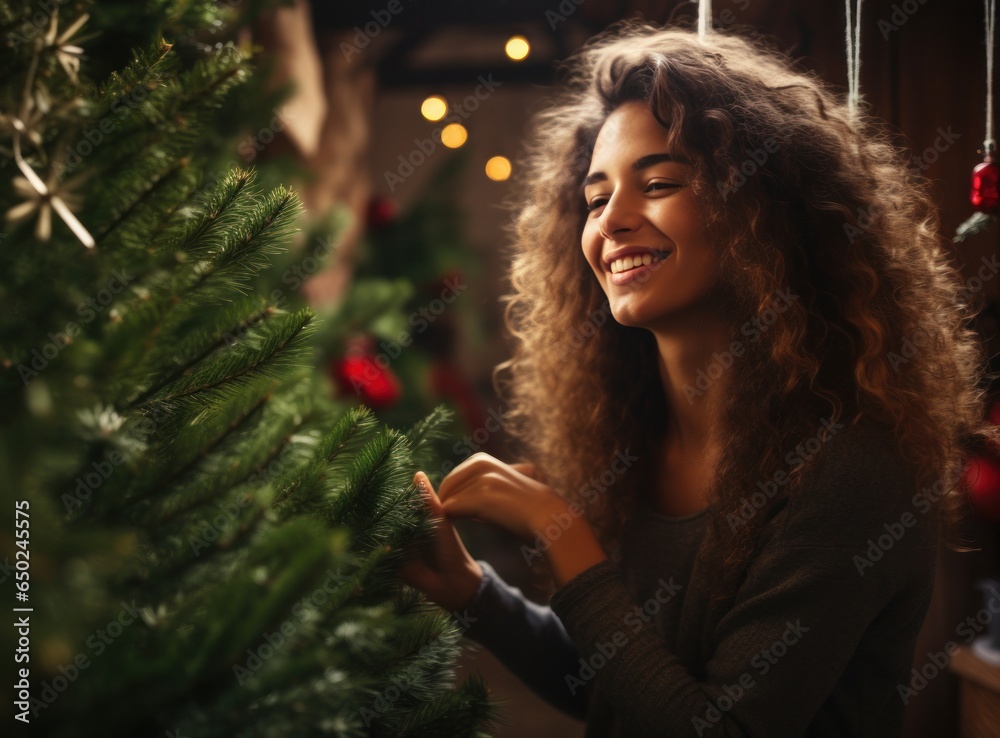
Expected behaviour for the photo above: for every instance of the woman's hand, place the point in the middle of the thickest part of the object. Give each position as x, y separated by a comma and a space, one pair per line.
445, 571
510, 496
507, 495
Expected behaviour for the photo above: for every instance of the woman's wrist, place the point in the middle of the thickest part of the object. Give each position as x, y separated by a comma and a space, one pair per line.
573, 546
468, 585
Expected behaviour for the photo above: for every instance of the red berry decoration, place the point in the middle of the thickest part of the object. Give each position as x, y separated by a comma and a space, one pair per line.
381, 212
983, 477
360, 373
985, 195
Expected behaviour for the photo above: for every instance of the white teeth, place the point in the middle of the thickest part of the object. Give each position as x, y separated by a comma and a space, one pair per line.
631, 262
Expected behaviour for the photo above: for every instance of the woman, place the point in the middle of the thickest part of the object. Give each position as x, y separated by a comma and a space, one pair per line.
747, 389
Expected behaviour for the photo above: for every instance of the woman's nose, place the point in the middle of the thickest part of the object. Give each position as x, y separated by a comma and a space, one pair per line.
618, 216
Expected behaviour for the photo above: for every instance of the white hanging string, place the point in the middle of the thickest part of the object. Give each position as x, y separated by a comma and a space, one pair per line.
991, 16
704, 18
854, 58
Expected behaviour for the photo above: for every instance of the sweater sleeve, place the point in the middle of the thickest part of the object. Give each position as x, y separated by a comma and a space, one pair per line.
793, 626
527, 638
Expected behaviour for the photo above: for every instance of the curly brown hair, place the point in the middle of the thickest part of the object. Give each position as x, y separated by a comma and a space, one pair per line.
833, 214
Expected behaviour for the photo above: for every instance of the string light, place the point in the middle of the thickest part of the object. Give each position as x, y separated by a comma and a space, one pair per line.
517, 48
454, 135
434, 107
498, 168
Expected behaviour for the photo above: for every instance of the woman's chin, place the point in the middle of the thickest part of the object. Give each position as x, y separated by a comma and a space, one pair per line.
632, 318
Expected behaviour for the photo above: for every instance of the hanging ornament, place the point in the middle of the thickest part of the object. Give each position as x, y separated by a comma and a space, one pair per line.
68, 55
985, 177
381, 212
41, 197
985, 193
52, 196
359, 372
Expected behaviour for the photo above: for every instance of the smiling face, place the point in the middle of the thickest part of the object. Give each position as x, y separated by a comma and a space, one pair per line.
644, 236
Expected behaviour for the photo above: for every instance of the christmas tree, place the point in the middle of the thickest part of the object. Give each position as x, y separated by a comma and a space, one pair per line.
197, 541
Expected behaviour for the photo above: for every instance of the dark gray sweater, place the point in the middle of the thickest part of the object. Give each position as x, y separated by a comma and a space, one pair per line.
817, 642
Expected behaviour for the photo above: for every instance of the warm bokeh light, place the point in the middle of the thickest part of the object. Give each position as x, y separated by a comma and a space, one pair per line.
434, 107
517, 47
454, 135
498, 168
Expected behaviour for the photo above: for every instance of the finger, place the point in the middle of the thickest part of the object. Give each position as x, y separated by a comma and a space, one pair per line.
464, 506
427, 491
490, 478
493, 473
480, 465
475, 465
526, 468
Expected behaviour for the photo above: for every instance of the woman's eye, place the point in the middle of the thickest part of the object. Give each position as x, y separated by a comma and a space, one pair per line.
597, 202
661, 185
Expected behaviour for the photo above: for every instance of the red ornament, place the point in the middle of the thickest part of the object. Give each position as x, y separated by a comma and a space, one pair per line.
985, 194
381, 212
982, 475
360, 373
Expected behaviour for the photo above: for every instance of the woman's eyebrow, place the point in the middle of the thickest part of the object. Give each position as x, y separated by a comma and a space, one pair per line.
642, 162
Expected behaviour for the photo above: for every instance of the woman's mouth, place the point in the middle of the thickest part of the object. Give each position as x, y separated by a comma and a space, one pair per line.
630, 268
